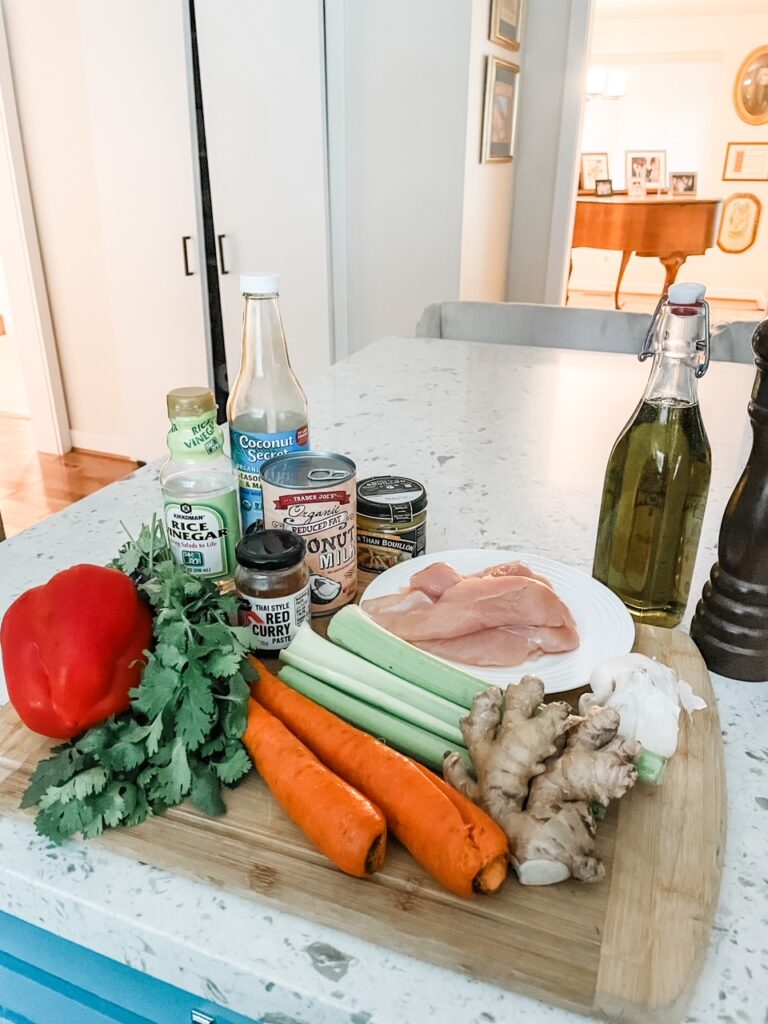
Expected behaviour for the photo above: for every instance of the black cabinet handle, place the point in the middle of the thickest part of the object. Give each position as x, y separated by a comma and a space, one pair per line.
184, 240
222, 266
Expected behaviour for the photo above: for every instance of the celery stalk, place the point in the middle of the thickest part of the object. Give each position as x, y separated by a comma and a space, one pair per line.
410, 739
378, 698
346, 671
354, 630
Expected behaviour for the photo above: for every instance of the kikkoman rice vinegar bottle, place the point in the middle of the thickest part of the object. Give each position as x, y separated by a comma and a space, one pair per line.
267, 409
657, 479
199, 487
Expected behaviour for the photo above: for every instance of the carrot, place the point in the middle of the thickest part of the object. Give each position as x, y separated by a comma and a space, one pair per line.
339, 821
485, 832
458, 844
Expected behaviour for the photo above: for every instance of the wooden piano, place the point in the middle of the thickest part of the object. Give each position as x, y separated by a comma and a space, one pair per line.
668, 227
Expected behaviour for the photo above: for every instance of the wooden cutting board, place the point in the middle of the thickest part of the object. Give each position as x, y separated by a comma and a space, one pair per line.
628, 949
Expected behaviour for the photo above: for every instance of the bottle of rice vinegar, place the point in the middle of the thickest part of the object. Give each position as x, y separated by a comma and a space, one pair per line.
657, 479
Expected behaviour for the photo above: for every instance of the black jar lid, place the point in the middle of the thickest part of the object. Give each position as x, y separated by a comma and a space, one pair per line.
393, 498
266, 550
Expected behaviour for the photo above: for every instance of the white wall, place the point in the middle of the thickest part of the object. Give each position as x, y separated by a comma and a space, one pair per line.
13, 393
53, 111
679, 98
406, 108
555, 43
487, 186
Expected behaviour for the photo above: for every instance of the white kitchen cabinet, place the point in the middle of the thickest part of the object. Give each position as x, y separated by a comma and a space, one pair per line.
144, 147
262, 77
103, 96
110, 139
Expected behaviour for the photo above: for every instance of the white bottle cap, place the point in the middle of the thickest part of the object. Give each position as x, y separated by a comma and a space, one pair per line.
686, 294
259, 284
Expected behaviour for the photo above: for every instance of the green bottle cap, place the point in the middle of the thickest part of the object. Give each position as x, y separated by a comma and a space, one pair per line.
194, 433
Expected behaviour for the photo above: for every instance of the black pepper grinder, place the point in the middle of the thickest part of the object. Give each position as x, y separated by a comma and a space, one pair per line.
730, 626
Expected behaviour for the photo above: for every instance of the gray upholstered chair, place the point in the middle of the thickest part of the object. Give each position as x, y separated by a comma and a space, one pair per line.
732, 341
601, 330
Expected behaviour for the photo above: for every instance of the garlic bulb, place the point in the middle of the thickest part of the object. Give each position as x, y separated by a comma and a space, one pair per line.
648, 697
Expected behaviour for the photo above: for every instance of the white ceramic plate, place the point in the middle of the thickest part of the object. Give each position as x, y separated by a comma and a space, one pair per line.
605, 626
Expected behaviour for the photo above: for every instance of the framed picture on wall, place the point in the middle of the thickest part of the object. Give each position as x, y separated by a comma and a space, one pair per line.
506, 21
750, 90
746, 161
499, 110
648, 164
682, 183
738, 224
593, 168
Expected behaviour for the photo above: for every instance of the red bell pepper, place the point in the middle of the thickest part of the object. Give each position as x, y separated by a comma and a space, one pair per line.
72, 649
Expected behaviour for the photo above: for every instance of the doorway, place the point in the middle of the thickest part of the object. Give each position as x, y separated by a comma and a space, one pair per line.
658, 125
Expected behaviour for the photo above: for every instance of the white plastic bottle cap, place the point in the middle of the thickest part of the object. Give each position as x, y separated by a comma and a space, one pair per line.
686, 294
259, 284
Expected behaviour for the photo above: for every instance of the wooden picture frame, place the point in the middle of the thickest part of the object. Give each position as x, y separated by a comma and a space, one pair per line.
506, 23
648, 164
739, 222
746, 161
603, 187
499, 111
592, 167
683, 183
750, 90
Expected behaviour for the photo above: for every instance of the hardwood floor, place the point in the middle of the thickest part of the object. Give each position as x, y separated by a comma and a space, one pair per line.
32, 485
632, 302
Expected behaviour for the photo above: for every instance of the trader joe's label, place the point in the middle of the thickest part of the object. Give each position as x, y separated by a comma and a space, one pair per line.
274, 620
202, 536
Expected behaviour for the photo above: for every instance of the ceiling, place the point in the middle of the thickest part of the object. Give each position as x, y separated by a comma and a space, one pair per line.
668, 8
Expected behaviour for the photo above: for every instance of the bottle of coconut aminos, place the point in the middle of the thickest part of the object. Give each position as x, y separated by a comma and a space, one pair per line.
267, 409
657, 479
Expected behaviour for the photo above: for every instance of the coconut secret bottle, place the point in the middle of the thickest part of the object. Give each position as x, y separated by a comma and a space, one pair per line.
267, 410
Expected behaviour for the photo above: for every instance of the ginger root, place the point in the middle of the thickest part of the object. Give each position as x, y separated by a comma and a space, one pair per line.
539, 770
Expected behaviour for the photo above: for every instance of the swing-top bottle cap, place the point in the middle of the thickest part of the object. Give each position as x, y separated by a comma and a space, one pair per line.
679, 330
261, 283
686, 294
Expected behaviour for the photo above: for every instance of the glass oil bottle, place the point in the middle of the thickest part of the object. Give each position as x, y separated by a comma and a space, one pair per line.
657, 478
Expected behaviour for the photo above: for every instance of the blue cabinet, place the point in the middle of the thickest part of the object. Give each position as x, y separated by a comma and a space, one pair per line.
47, 980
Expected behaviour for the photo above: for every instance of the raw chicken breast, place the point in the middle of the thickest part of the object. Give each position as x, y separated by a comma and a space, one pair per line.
502, 616
510, 569
472, 605
492, 647
435, 579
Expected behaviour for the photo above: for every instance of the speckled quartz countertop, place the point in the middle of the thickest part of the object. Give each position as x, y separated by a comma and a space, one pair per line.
511, 444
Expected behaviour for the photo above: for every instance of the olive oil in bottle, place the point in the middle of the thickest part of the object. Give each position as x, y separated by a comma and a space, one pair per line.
657, 478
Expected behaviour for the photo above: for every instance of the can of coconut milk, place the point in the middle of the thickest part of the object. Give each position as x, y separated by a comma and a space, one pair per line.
313, 494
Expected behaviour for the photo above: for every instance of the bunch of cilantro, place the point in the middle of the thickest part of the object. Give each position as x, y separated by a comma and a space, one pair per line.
181, 736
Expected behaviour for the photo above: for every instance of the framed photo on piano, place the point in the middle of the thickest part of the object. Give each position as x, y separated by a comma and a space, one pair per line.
682, 183
648, 164
593, 166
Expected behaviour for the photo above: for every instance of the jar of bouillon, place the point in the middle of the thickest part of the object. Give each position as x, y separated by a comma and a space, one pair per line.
657, 479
